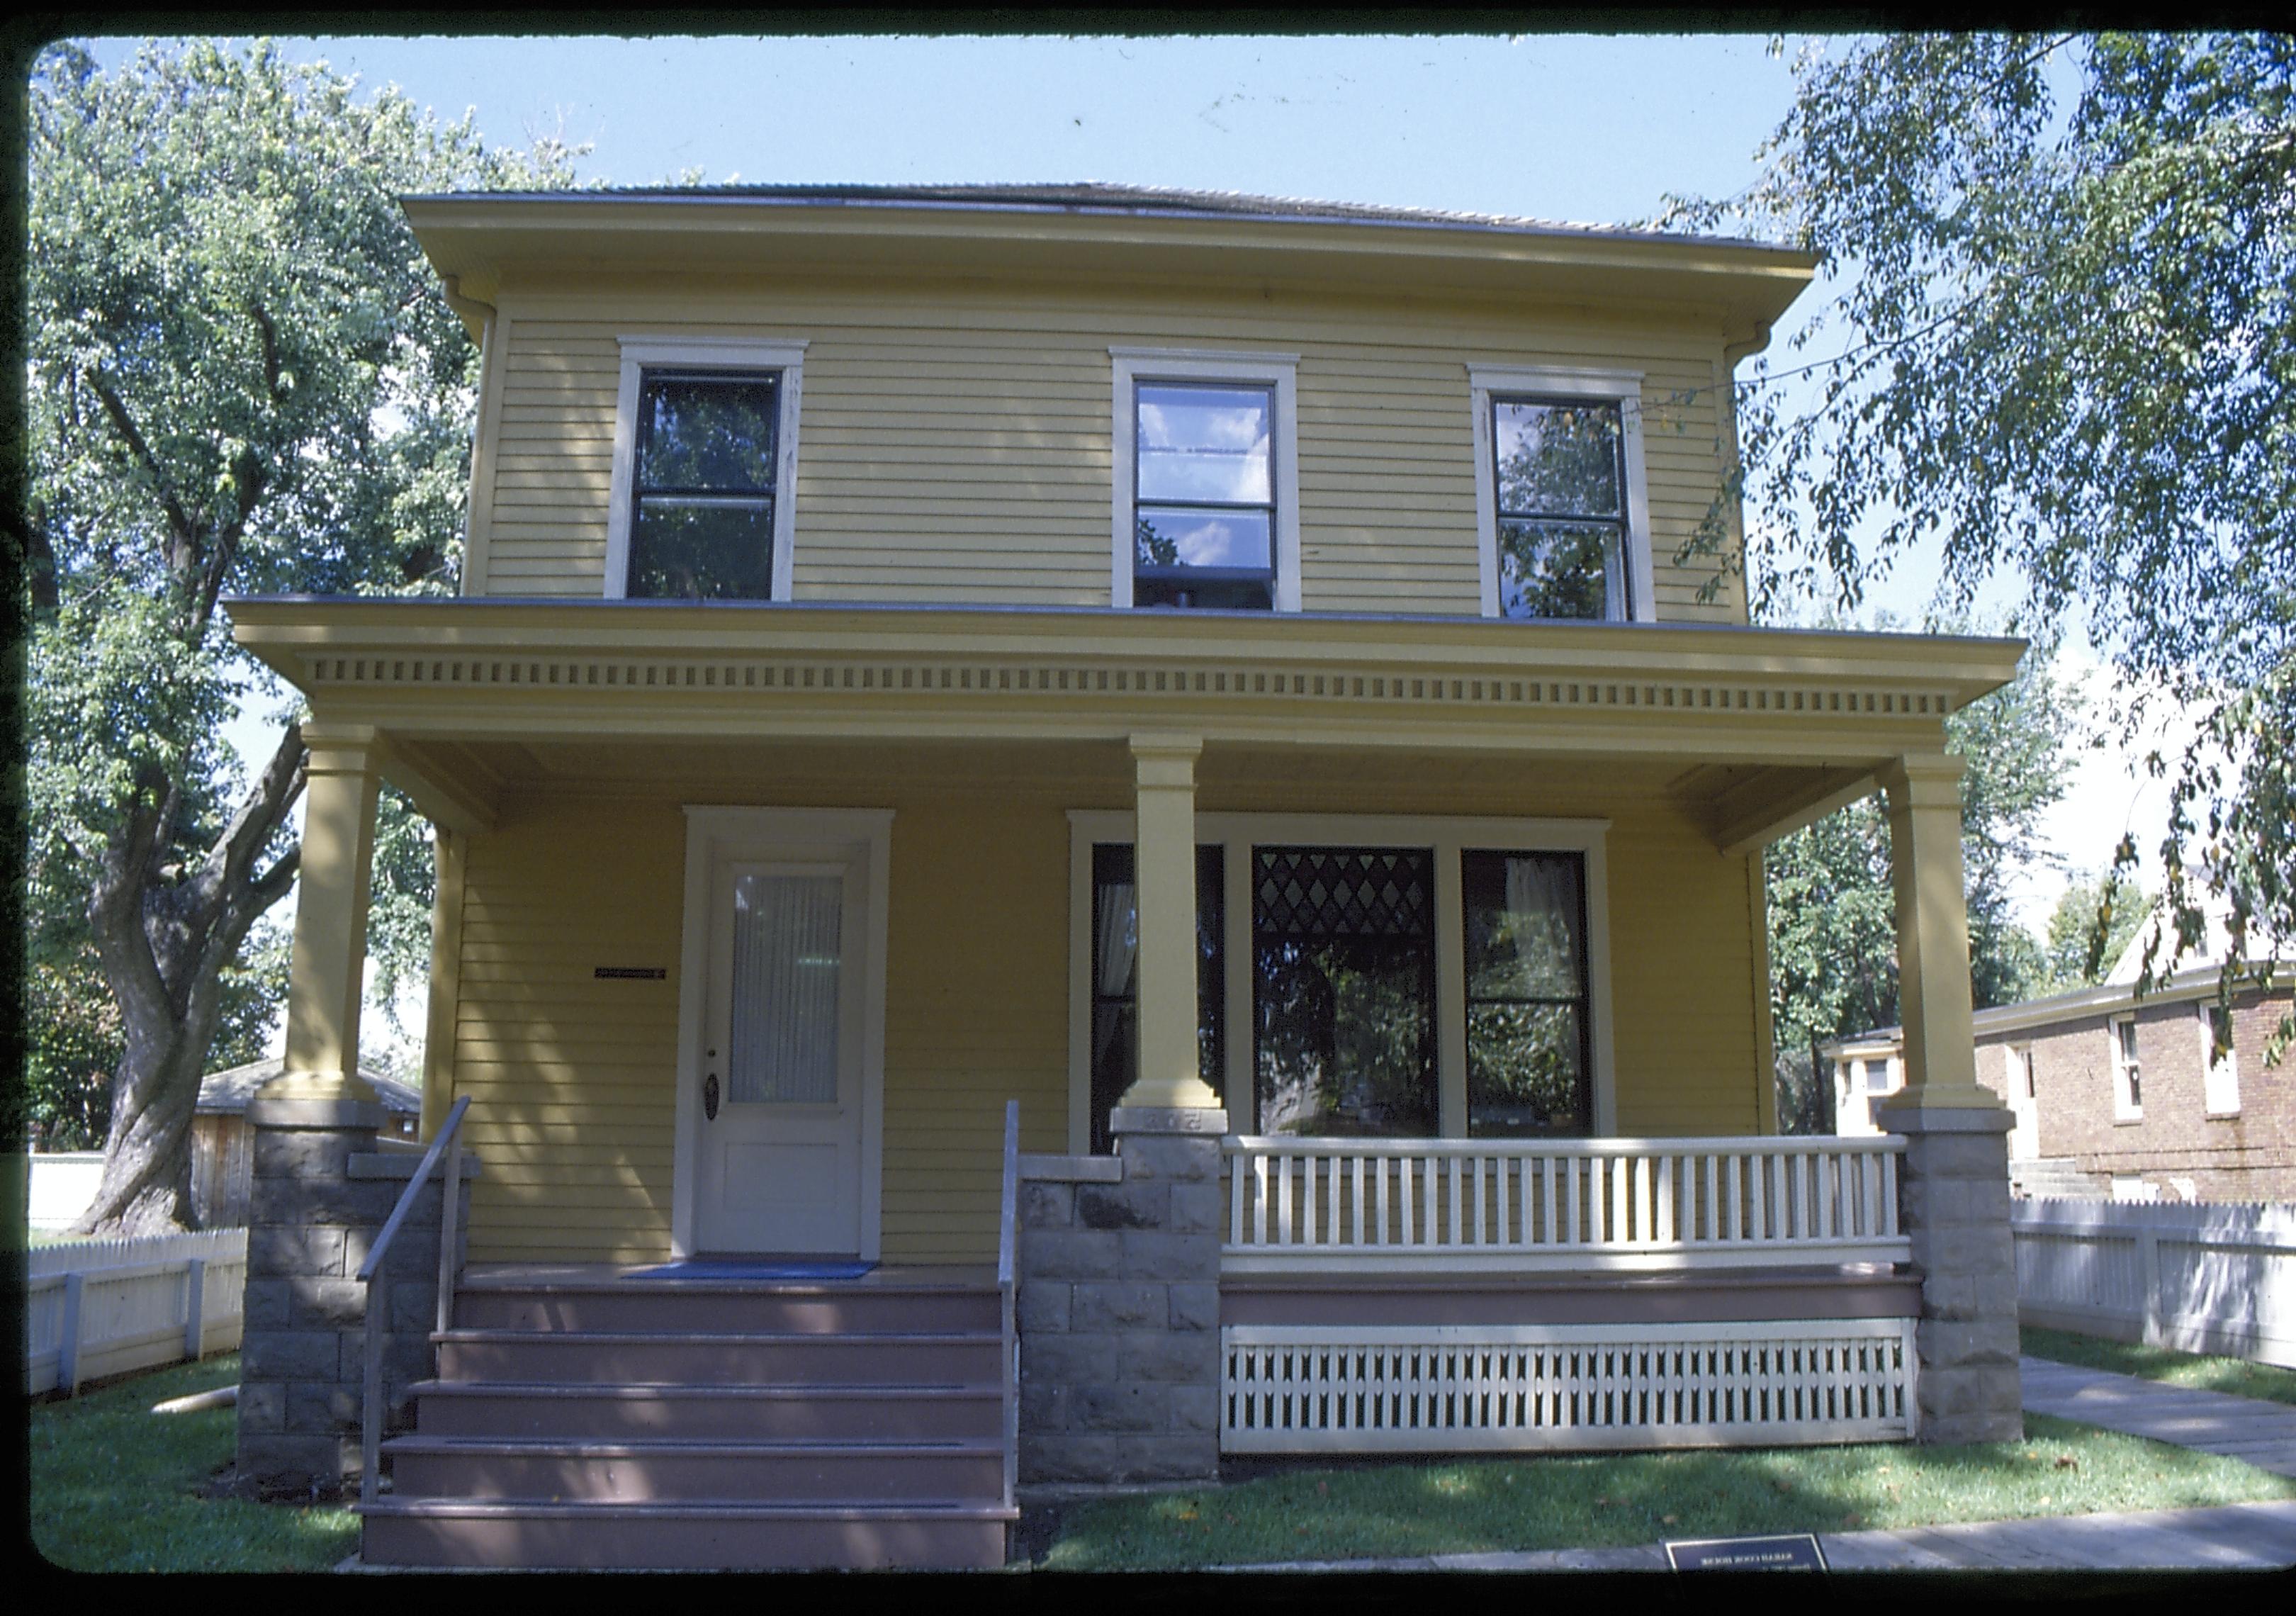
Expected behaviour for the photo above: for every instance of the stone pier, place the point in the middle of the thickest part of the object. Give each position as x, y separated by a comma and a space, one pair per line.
1120, 1304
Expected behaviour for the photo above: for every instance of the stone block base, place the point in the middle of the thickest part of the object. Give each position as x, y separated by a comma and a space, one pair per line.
1119, 1307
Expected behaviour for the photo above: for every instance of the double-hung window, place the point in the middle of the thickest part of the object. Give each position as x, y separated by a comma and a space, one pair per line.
1560, 498
2127, 1077
705, 458
1206, 481
2220, 1079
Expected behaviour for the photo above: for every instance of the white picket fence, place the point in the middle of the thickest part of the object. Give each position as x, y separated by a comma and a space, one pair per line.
99, 1308
1558, 1205
2215, 1279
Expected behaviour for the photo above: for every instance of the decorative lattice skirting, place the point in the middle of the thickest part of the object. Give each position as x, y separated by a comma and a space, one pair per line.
1432, 1389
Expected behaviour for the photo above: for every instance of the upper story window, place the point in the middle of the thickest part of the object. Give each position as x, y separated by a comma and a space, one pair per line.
705, 459
1206, 481
1561, 498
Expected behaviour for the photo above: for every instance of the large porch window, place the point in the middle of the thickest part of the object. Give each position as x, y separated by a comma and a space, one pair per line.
1454, 988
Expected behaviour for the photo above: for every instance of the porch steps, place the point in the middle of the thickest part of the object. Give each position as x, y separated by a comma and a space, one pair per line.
617, 1422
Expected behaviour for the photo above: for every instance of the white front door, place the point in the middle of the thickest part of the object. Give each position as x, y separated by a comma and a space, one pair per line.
779, 1158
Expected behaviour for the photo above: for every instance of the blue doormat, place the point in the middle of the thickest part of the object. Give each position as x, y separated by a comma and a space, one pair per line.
742, 1268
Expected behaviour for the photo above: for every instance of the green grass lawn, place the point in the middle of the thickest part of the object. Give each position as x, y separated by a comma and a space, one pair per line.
116, 1488
1454, 1506
2232, 1375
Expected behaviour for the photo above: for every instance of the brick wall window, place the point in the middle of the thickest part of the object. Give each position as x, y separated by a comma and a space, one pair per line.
2220, 1084
2127, 1085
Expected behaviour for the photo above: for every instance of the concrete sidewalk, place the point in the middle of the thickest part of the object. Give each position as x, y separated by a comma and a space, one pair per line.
2230, 1537
2257, 1432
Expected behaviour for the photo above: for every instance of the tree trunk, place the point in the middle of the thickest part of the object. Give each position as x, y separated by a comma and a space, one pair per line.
164, 945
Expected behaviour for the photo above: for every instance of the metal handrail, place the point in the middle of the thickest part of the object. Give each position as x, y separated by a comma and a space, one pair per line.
377, 1282
1007, 1242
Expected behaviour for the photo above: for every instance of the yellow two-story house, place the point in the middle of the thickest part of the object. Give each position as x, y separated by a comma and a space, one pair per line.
1114, 652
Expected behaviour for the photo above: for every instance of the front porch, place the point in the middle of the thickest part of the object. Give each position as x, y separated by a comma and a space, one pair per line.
1595, 1240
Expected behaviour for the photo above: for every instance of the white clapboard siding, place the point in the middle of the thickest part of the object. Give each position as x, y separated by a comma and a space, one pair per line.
100, 1307
2217, 1279
1462, 1388
1559, 1205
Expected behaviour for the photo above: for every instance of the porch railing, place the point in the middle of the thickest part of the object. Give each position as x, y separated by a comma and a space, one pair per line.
372, 1275
1008, 1231
1560, 1205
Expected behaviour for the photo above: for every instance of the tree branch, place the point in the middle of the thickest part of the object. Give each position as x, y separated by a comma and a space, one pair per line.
225, 874
182, 554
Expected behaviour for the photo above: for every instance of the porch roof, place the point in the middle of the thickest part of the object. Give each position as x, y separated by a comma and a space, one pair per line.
1764, 728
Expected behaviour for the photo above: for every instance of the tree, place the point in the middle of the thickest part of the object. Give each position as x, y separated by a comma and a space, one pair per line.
2092, 922
241, 378
1833, 906
2062, 348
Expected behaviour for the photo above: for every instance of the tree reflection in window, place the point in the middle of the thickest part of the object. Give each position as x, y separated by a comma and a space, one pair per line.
701, 502
1528, 1056
1344, 958
1561, 513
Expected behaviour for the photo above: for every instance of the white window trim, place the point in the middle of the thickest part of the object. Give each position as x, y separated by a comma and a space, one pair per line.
2220, 1079
713, 353
1236, 833
836, 835
1623, 387
1279, 371
2122, 1110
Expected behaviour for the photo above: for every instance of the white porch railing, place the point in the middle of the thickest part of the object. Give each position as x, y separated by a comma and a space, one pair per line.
1560, 1205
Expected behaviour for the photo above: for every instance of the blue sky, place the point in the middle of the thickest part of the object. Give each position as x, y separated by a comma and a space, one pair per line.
1596, 129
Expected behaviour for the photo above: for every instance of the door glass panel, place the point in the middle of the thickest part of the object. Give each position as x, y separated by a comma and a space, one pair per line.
784, 998
1344, 959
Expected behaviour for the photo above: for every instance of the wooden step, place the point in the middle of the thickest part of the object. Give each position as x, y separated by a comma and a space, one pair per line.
786, 1307
694, 1470
720, 1359
591, 1535
925, 1411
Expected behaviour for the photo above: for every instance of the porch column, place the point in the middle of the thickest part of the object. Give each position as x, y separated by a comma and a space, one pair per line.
1924, 792
1164, 866
1954, 1193
325, 978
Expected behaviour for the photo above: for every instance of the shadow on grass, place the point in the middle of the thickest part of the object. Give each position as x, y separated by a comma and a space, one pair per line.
116, 1488
1408, 1510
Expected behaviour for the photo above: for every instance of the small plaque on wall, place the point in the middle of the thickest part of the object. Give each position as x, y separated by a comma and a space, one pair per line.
631, 973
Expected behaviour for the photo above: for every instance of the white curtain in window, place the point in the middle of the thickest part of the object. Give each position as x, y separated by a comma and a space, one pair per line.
1119, 943
1542, 900
785, 979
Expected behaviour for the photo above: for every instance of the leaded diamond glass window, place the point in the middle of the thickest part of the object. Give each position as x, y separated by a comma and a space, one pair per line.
1343, 940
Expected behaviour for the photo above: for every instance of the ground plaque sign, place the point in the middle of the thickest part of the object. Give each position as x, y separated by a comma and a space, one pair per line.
1788, 1552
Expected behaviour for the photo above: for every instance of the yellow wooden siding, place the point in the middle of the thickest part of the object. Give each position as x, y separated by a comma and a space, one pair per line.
572, 1076
954, 443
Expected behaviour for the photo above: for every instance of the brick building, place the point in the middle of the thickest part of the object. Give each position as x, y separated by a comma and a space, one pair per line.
2119, 1094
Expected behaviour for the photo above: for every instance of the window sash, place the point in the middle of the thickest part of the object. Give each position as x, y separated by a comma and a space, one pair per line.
1176, 576
653, 546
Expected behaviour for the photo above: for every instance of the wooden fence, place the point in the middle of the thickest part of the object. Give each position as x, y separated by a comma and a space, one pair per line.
2215, 1279
99, 1308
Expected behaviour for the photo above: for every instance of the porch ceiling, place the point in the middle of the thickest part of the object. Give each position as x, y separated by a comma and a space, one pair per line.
1750, 731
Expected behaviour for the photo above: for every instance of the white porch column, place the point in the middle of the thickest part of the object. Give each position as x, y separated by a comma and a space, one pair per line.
1924, 791
325, 977
1164, 866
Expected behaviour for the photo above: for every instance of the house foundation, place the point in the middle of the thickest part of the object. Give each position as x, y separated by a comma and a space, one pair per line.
1120, 1304
320, 1194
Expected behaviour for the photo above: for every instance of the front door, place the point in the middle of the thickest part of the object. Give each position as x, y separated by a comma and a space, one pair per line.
779, 1159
